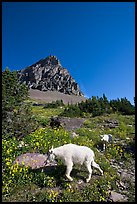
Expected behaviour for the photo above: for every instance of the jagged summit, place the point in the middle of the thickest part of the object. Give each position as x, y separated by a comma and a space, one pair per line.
50, 60
48, 74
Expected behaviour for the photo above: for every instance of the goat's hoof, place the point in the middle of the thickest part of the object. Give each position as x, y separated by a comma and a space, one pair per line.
70, 179
87, 180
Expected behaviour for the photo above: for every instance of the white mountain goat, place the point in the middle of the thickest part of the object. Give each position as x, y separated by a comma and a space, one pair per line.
74, 154
106, 139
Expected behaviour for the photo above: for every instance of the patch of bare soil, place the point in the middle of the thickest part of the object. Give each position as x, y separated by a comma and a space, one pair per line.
49, 96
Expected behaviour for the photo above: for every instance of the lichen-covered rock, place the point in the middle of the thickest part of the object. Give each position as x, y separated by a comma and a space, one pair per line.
33, 160
115, 197
48, 74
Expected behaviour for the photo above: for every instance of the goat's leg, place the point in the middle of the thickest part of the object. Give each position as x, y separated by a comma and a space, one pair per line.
68, 171
94, 164
104, 146
88, 165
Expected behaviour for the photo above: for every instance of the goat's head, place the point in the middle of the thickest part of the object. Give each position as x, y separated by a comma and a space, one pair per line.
101, 137
50, 155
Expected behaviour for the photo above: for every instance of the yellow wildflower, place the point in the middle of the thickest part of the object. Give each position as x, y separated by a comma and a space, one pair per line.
8, 151
23, 163
20, 169
15, 170
8, 163
37, 143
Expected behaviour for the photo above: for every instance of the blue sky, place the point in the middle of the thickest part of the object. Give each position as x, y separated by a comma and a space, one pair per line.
95, 41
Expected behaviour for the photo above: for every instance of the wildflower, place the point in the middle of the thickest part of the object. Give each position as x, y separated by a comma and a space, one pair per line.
68, 190
37, 143
102, 199
23, 163
8, 151
21, 144
8, 163
7, 159
14, 170
20, 169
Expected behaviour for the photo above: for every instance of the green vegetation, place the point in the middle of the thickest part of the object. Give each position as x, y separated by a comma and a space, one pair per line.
31, 125
54, 104
99, 106
17, 119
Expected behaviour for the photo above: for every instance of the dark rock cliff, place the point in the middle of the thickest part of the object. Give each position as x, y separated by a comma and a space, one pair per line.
48, 74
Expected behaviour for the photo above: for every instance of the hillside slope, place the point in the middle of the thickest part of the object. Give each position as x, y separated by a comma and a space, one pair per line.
48, 184
49, 96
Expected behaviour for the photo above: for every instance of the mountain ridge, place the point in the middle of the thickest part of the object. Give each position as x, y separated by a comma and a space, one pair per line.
48, 74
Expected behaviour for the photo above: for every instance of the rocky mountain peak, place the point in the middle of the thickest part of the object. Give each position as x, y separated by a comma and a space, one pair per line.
50, 60
48, 74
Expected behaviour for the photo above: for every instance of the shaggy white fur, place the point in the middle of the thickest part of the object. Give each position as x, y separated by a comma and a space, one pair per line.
106, 139
72, 154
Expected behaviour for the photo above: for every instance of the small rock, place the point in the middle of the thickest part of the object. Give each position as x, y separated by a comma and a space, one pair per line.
74, 135
129, 125
121, 184
121, 163
114, 196
114, 166
80, 182
52, 164
124, 176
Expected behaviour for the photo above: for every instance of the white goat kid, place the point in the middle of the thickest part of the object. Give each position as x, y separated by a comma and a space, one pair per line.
106, 139
74, 154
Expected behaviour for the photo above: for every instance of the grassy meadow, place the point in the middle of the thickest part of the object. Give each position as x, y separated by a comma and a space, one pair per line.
23, 184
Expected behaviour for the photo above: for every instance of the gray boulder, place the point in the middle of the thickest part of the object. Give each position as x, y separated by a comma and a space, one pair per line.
115, 197
33, 160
